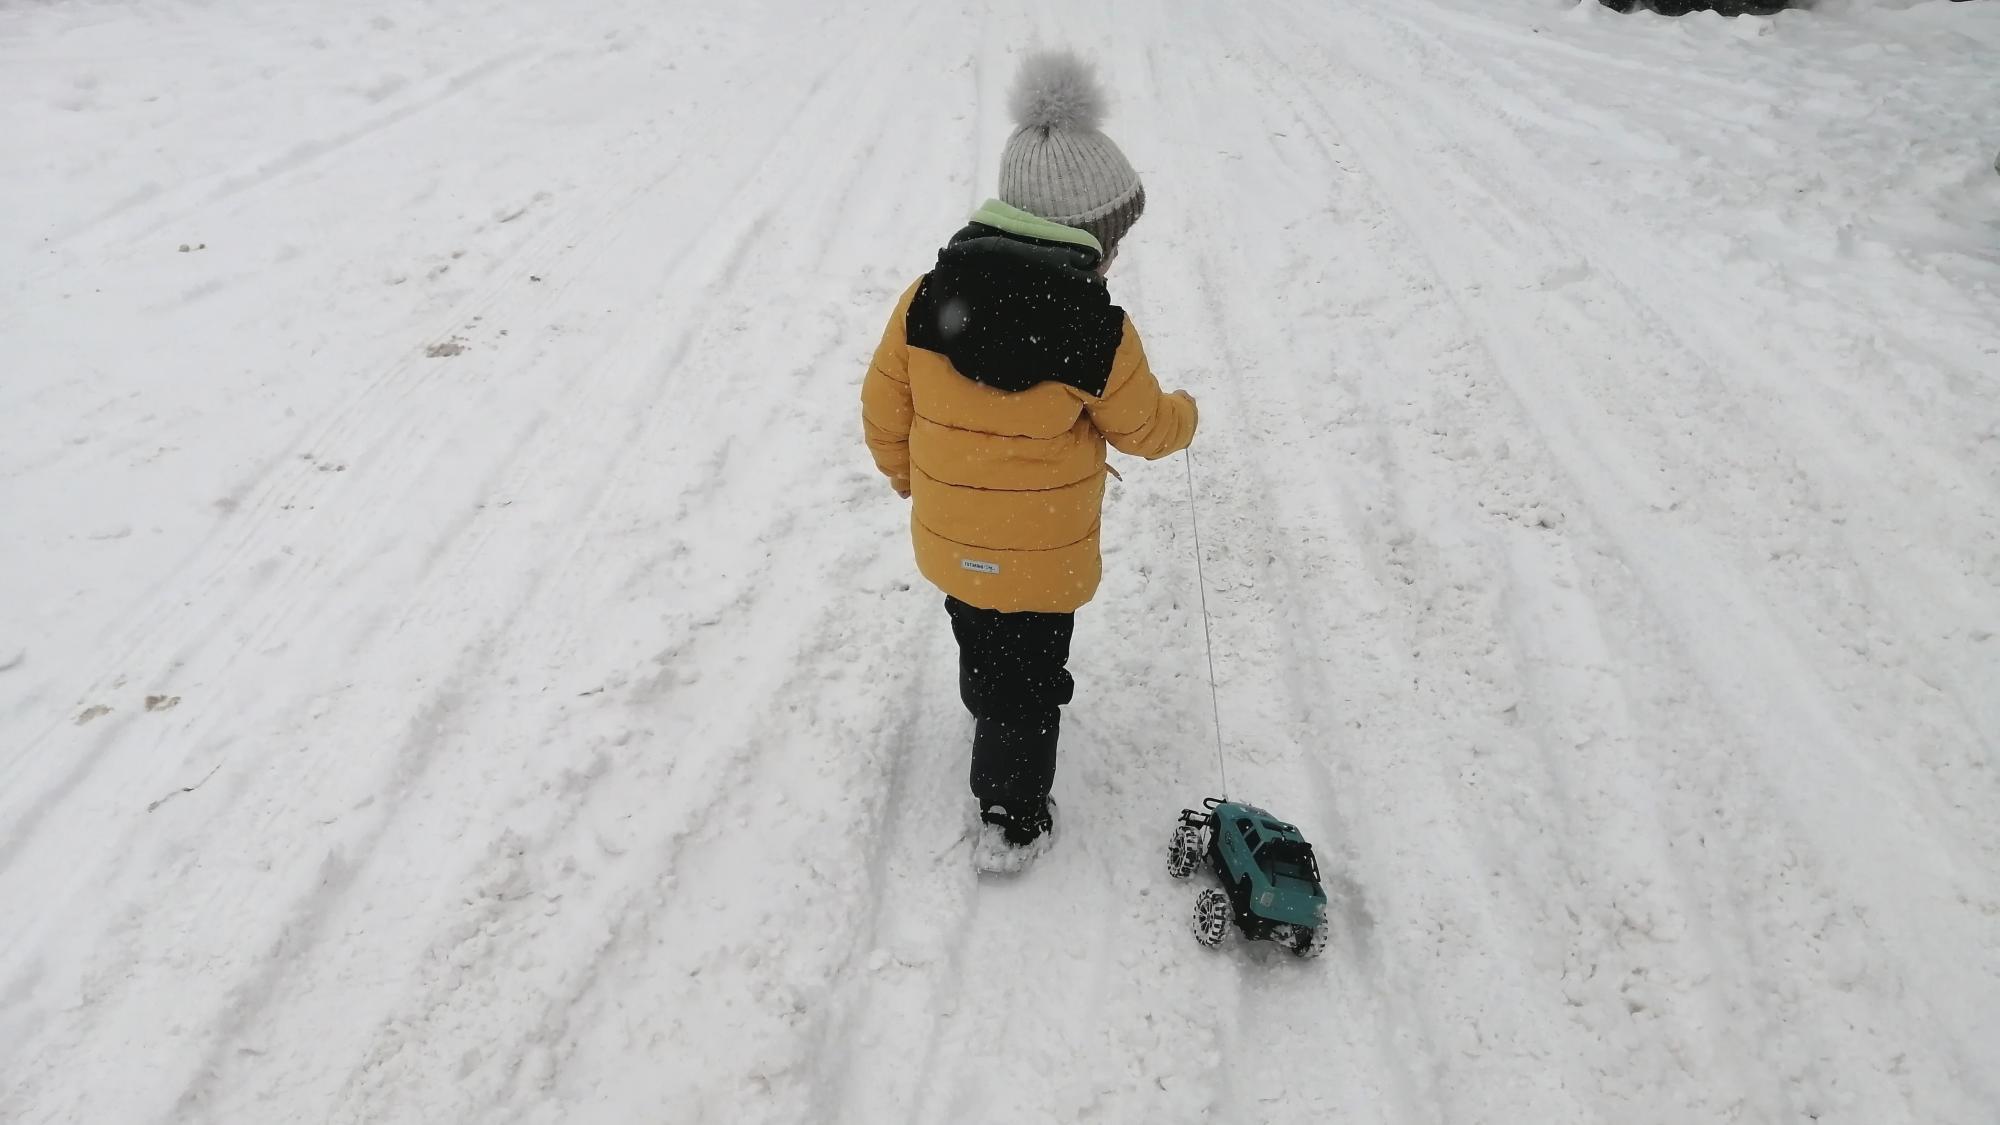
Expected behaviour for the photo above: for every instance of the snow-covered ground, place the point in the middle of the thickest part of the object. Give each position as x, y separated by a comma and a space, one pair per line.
458, 664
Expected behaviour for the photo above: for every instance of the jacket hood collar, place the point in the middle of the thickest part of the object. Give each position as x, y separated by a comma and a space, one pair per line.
1009, 219
1015, 301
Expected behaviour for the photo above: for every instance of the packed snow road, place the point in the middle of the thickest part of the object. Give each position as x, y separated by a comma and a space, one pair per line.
458, 664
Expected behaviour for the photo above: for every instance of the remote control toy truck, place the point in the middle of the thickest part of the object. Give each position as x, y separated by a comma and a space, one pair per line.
1270, 883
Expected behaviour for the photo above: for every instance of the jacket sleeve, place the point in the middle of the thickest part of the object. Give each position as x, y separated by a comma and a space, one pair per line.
886, 409
1133, 414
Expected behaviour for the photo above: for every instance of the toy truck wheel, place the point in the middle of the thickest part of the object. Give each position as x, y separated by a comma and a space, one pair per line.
1310, 941
1211, 917
1184, 852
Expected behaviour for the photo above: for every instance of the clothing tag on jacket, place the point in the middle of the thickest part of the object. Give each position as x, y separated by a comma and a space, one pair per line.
981, 567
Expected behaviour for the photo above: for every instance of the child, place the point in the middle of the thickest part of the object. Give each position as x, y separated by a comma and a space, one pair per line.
1001, 376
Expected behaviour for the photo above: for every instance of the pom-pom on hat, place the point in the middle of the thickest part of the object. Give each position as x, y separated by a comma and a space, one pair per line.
1057, 164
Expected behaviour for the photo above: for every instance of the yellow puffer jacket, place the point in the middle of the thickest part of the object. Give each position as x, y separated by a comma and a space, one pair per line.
1005, 462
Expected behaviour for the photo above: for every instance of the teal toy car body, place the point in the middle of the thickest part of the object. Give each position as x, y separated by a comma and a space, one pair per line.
1270, 879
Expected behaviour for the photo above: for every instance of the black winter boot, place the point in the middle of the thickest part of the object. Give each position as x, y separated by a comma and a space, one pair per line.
1021, 825
1007, 844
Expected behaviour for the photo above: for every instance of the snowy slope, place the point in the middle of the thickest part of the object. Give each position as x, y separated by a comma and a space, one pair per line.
457, 663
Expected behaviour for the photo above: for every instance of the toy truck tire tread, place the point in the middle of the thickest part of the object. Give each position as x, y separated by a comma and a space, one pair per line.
1184, 851
1211, 917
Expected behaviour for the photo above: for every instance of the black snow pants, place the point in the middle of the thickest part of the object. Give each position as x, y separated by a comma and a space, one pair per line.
1012, 677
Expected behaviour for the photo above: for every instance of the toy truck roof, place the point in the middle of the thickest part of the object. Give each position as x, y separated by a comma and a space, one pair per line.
1276, 859
1265, 822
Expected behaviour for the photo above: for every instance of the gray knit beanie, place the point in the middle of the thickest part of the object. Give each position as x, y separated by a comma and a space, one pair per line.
1057, 165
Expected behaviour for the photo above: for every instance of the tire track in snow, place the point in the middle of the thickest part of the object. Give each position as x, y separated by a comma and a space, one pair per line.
363, 409
1559, 701
397, 451
540, 1042
1884, 424
1284, 570
830, 65
721, 774
906, 881
1354, 114
1886, 419
272, 169
1277, 586
754, 582
692, 869
1398, 560
303, 926
1714, 351
240, 544
376, 1088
